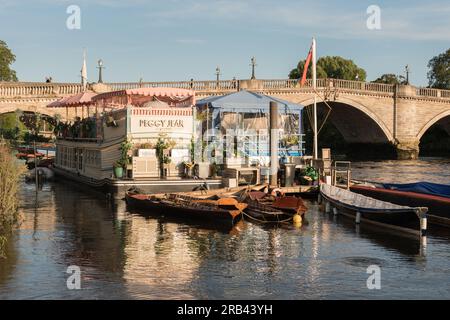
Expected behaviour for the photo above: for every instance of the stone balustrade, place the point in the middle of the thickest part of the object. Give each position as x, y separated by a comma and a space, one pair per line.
35, 89
38, 89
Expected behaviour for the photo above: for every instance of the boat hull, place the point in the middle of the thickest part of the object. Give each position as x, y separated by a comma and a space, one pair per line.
404, 221
219, 217
438, 207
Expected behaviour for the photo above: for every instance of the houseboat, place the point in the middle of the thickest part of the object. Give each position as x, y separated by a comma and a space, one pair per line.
137, 137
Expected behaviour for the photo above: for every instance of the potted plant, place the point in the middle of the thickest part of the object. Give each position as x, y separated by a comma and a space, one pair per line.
163, 147
166, 162
188, 165
214, 170
311, 175
118, 168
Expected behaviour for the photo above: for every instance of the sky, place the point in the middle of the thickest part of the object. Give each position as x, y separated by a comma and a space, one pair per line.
176, 40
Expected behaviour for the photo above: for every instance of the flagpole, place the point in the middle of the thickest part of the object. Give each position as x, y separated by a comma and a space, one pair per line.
314, 83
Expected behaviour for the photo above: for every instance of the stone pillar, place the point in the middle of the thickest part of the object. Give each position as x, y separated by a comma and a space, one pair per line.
251, 84
405, 123
408, 150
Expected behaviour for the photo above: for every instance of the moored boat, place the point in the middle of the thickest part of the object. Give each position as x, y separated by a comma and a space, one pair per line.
224, 210
365, 210
436, 197
265, 207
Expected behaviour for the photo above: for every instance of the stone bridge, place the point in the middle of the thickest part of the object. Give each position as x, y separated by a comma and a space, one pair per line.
362, 112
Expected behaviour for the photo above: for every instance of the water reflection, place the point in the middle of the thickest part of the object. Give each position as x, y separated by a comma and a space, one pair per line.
124, 254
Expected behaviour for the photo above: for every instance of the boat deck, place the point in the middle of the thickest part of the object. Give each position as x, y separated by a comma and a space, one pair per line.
117, 187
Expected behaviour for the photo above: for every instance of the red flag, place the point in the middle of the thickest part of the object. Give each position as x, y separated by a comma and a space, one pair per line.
305, 67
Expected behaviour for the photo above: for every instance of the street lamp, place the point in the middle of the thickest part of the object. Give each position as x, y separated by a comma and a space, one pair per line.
407, 70
100, 67
217, 73
253, 64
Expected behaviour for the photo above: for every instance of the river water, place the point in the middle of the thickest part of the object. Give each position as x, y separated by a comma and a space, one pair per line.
124, 255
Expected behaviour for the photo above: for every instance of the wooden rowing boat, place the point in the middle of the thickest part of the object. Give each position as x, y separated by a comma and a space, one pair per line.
365, 210
223, 210
438, 205
265, 207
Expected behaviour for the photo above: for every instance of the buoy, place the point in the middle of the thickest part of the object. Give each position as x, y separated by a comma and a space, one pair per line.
297, 220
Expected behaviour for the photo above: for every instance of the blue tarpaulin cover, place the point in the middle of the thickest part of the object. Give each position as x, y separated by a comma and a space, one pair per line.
435, 189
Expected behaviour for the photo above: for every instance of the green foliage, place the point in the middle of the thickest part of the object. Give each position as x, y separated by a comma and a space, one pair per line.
10, 173
312, 173
11, 127
390, 78
290, 140
439, 73
166, 159
6, 59
125, 147
160, 146
331, 67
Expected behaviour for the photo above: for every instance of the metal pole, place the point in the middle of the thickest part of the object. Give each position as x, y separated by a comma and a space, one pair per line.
273, 143
314, 80
35, 167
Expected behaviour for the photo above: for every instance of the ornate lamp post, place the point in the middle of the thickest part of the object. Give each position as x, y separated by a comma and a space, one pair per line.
407, 70
100, 68
217, 74
253, 64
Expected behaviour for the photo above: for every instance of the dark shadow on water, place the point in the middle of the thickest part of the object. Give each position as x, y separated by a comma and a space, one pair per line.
407, 246
192, 223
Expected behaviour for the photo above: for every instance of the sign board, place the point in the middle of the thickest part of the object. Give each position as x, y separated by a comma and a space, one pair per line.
161, 120
147, 152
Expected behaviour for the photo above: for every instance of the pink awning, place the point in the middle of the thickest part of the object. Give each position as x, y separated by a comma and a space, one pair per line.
139, 96
80, 99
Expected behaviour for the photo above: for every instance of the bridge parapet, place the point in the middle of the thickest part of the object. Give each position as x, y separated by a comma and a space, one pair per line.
38, 89
10, 90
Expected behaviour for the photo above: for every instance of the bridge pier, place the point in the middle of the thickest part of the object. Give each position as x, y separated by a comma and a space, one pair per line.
408, 149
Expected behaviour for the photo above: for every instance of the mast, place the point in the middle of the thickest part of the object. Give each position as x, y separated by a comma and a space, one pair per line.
314, 83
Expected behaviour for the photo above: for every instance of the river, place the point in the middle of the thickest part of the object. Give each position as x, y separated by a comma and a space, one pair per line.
124, 255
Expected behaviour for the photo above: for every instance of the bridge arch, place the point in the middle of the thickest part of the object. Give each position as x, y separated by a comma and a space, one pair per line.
432, 122
369, 119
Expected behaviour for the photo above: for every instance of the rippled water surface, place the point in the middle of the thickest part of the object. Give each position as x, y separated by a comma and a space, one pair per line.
126, 255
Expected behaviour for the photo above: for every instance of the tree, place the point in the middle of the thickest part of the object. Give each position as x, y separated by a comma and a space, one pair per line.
390, 78
439, 73
332, 67
6, 59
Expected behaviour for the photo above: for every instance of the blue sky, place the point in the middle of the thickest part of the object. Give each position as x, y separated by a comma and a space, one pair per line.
163, 40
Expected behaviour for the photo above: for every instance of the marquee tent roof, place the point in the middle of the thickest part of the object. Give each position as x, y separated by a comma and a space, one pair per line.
247, 101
